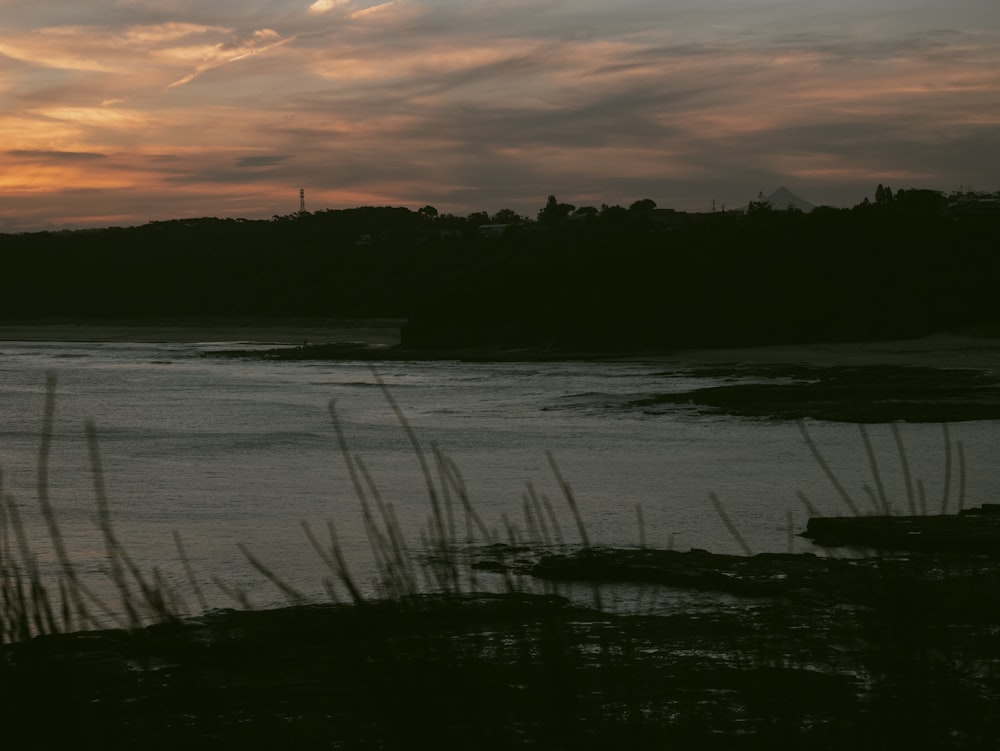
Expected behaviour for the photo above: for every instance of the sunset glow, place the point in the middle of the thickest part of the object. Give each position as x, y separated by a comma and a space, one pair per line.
127, 112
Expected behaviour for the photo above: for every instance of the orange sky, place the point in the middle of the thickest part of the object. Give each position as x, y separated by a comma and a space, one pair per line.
126, 111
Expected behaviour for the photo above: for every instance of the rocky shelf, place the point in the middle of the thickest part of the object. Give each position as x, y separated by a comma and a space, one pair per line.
971, 531
864, 394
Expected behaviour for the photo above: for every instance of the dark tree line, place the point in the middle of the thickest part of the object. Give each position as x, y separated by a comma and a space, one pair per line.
608, 278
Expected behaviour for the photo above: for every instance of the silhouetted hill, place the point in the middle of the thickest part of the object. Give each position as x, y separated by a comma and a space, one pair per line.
612, 279
783, 199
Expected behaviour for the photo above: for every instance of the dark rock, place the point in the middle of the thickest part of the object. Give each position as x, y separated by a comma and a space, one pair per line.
974, 532
864, 394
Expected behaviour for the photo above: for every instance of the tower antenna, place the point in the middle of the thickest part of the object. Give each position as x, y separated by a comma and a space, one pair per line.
302, 200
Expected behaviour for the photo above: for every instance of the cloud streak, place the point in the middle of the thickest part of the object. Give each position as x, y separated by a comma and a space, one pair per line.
54, 155
218, 55
228, 108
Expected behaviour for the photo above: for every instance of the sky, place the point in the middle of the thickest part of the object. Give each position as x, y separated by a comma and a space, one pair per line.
121, 112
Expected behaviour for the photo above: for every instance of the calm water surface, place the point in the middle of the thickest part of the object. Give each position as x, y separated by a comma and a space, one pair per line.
238, 451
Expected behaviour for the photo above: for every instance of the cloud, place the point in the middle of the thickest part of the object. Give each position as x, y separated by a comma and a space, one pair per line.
474, 105
325, 6
157, 34
253, 162
67, 48
107, 120
232, 51
354, 8
55, 155
373, 9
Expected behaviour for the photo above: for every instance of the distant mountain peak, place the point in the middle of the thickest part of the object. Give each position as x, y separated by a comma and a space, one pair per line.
782, 198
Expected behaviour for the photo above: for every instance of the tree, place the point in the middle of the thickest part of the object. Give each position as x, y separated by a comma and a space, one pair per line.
643, 204
760, 206
920, 201
429, 211
613, 214
507, 216
554, 212
883, 195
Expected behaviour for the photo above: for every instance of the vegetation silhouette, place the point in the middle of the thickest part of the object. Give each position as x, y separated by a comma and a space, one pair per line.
602, 279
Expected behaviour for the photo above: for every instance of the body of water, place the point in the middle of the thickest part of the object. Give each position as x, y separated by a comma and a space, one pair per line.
241, 451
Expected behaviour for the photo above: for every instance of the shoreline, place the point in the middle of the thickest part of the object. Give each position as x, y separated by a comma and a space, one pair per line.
951, 350
374, 331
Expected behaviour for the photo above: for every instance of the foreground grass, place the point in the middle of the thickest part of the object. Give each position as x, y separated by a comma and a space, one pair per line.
529, 671
775, 651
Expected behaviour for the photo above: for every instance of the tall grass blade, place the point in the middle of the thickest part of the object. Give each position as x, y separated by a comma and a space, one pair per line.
961, 475
236, 595
811, 445
946, 494
570, 499
553, 520
454, 478
814, 512
293, 595
534, 532
540, 514
905, 466
345, 450
42, 489
790, 523
733, 531
883, 499
388, 551
440, 462
189, 572
112, 546
876, 504
334, 560
392, 547
411, 436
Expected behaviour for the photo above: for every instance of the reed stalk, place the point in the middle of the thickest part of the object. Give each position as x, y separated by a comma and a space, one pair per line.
905, 468
824, 465
883, 499
570, 499
946, 491
730, 527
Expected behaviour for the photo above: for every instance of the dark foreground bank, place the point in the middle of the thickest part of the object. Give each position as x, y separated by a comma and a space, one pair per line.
893, 651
